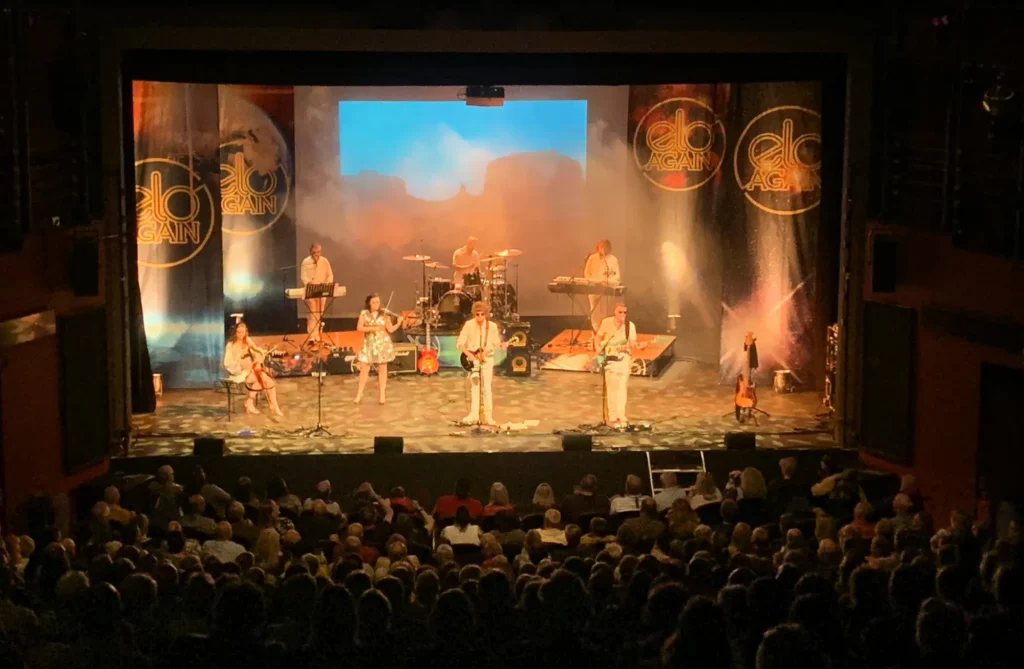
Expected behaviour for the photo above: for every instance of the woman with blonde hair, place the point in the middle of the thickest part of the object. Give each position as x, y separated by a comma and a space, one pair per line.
752, 484
499, 500
268, 550
704, 491
543, 498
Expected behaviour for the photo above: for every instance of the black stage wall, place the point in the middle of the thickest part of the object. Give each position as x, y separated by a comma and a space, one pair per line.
426, 476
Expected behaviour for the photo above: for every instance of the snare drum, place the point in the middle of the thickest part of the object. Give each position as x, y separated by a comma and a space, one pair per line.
454, 309
438, 287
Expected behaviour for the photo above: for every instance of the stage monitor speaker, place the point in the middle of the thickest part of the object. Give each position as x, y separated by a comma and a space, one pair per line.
577, 442
886, 263
518, 361
388, 445
740, 441
208, 447
84, 267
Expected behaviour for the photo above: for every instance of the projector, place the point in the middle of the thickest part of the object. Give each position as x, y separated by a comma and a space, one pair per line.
485, 96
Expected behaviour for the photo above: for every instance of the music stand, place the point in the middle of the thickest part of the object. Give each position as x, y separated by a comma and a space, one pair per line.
315, 291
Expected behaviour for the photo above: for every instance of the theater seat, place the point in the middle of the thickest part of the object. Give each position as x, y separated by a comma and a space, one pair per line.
534, 521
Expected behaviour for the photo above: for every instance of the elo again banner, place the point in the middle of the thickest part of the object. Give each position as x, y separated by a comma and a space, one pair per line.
734, 175
178, 229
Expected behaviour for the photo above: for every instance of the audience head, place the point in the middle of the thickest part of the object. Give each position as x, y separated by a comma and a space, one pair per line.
634, 485
462, 488
499, 494
752, 484
552, 519
543, 497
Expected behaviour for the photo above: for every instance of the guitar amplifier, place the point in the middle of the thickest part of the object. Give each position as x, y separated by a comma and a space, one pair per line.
341, 361
405, 359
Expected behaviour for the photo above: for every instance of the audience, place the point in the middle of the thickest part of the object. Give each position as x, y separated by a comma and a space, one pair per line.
651, 588
704, 491
670, 491
446, 505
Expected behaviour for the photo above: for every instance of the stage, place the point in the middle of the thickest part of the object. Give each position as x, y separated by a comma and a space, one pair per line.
685, 408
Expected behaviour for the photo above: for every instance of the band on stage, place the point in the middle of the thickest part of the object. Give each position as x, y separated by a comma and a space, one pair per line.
475, 301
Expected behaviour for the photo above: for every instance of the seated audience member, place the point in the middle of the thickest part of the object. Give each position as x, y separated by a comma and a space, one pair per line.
112, 496
902, 507
462, 531
740, 542
864, 527
630, 499
277, 491
268, 551
670, 491
783, 490
221, 546
598, 534
552, 532
323, 493
507, 530
704, 491
242, 529
316, 524
752, 484
447, 505
216, 498
499, 500
401, 502
648, 525
245, 494
584, 500
164, 498
908, 487
543, 498
682, 519
195, 520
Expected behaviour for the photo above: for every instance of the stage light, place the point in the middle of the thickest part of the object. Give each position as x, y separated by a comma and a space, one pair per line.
485, 96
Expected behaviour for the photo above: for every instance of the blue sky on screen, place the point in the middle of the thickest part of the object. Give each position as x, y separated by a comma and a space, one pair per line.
438, 146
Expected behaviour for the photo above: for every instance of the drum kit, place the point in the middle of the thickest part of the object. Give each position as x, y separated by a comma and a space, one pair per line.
444, 304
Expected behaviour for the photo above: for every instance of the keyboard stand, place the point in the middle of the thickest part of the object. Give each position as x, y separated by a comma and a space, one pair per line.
319, 325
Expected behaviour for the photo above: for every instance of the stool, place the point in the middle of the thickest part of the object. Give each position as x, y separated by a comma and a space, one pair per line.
235, 388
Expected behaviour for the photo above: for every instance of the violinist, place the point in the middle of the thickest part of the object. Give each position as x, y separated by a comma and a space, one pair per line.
244, 362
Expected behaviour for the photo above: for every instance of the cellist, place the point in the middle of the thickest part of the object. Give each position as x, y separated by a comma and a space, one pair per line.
244, 362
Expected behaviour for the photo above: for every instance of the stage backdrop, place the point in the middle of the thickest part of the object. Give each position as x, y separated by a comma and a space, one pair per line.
177, 215
734, 185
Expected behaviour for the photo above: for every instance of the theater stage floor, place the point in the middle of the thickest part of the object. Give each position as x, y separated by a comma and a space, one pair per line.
686, 408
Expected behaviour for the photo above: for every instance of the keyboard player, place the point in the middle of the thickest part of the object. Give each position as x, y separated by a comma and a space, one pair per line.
601, 267
315, 269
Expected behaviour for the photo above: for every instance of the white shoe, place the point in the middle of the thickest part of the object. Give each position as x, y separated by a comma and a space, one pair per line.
468, 420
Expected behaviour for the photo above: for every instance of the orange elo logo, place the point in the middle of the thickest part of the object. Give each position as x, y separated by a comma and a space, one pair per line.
778, 170
173, 212
679, 144
251, 201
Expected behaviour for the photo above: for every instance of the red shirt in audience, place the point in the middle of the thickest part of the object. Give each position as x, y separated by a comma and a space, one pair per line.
447, 504
492, 509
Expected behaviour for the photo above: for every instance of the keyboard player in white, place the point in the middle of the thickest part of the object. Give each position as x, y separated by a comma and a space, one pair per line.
601, 267
315, 269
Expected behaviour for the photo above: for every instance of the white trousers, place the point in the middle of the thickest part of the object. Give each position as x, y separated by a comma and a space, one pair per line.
316, 307
616, 380
485, 377
598, 310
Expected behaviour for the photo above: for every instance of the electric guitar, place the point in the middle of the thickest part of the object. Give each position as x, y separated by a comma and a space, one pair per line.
607, 351
473, 364
426, 361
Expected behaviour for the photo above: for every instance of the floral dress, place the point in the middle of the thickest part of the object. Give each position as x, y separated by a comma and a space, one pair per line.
377, 347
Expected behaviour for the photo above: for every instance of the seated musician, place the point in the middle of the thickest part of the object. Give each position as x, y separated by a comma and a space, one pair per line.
244, 362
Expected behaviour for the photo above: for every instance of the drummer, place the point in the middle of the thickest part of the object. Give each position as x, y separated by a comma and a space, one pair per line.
465, 260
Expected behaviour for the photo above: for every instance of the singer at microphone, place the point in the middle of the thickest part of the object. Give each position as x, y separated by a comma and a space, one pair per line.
315, 269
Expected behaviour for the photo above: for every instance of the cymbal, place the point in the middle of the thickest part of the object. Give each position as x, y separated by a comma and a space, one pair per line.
489, 259
417, 258
509, 253
436, 265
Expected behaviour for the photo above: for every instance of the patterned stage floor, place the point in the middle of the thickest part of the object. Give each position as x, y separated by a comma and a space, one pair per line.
685, 407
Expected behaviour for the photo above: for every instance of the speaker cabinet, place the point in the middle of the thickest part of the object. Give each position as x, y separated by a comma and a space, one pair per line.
517, 334
208, 447
388, 445
518, 361
577, 442
740, 441
405, 359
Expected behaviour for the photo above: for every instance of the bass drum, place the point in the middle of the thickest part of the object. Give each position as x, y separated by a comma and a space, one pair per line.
438, 288
454, 309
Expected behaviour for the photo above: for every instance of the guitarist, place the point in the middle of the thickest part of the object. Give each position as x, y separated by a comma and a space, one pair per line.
614, 341
478, 340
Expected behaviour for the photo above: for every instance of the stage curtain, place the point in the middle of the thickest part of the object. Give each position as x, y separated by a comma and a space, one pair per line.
257, 130
733, 178
177, 214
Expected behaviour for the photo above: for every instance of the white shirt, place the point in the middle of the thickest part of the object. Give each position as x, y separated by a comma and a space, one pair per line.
455, 535
669, 495
617, 334
473, 337
319, 271
224, 551
464, 257
602, 269
699, 500
625, 503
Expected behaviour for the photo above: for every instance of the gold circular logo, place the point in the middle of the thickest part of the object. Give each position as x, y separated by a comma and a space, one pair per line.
679, 144
250, 200
174, 214
777, 161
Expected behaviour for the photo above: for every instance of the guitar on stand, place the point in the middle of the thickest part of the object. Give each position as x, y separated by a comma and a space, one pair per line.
745, 398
